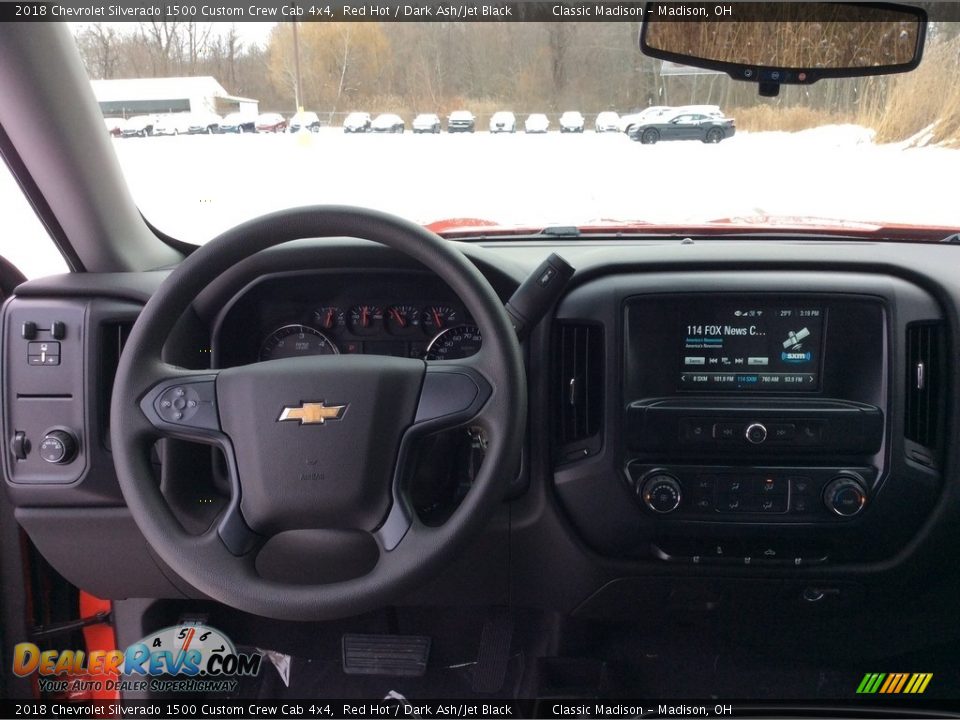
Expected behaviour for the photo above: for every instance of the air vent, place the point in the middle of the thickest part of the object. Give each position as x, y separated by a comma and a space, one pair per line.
579, 388
925, 386
113, 337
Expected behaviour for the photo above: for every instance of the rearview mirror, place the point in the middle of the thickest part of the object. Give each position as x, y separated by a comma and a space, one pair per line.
785, 42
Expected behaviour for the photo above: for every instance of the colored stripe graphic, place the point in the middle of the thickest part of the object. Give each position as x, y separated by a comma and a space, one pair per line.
894, 683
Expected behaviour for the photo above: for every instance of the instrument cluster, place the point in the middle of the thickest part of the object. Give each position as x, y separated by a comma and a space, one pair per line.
433, 332
402, 314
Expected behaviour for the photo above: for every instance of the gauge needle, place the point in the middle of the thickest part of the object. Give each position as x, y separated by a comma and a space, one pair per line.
186, 644
436, 318
398, 316
364, 317
328, 322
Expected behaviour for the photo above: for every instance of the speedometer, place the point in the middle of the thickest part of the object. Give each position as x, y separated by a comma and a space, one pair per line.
454, 343
296, 341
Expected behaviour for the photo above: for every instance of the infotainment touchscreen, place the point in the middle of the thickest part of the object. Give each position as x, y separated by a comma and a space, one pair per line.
750, 347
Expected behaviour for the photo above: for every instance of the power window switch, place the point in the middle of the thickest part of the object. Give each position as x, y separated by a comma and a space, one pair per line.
28, 331
58, 330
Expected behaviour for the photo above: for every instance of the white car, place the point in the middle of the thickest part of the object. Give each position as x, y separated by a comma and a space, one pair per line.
427, 123
203, 123
304, 121
138, 126
461, 121
357, 122
536, 123
607, 121
172, 124
631, 119
387, 123
572, 122
503, 121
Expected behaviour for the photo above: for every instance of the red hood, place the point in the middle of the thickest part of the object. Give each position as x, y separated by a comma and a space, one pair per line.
471, 227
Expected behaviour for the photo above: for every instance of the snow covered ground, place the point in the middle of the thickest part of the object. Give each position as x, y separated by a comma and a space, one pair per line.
195, 187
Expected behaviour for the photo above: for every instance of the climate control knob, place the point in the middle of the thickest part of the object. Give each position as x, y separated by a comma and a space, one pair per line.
845, 495
661, 493
58, 447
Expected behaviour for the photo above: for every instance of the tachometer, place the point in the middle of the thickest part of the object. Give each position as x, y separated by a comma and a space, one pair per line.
454, 343
296, 341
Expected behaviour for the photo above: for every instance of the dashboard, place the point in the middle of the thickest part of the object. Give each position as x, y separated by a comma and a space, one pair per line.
316, 313
716, 411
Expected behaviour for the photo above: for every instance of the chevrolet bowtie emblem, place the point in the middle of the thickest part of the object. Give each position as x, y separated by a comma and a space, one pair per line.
311, 413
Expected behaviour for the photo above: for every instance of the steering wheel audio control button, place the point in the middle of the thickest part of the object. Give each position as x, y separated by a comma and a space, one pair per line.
189, 404
756, 433
178, 404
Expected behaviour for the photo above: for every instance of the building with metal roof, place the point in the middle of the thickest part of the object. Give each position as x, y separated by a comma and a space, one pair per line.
143, 96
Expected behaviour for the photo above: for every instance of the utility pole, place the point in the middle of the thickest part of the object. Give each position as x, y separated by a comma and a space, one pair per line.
297, 90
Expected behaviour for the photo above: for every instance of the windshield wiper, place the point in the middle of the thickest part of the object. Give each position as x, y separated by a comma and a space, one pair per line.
952, 239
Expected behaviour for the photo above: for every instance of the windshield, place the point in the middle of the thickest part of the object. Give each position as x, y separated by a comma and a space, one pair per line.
603, 134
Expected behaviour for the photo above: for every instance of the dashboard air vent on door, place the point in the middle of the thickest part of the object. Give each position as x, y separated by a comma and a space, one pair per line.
925, 387
579, 388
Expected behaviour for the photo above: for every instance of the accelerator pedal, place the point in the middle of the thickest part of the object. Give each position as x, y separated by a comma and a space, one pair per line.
398, 655
493, 657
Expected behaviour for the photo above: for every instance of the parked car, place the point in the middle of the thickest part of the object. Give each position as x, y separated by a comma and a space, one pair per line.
271, 123
203, 123
572, 122
238, 122
684, 126
461, 121
387, 123
536, 123
607, 121
304, 121
503, 121
138, 126
427, 123
114, 126
357, 122
172, 124
629, 120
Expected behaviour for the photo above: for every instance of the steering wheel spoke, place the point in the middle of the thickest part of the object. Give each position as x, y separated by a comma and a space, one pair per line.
182, 405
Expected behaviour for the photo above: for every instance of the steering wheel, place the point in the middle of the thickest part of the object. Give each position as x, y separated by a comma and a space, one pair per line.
319, 523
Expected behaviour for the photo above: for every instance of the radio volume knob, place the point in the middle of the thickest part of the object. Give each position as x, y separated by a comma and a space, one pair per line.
661, 493
845, 495
756, 433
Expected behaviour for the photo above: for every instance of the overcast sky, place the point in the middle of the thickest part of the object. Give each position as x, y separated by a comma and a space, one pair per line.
250, 32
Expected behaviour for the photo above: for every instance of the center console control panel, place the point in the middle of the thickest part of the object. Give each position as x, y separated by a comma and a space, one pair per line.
751, 419
751, 494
